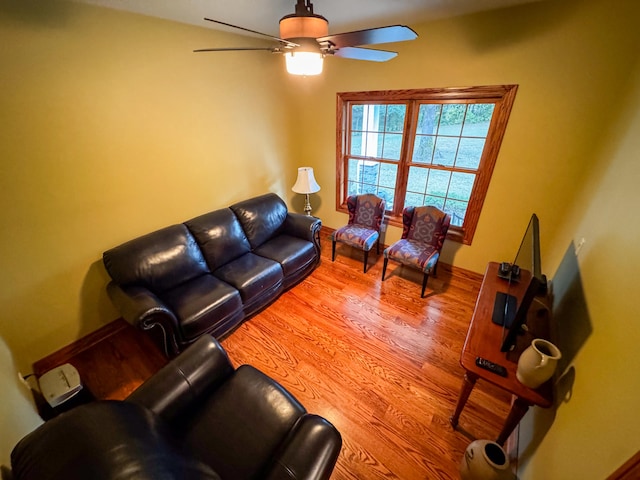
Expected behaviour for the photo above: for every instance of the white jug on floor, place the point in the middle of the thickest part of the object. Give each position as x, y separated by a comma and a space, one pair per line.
485, 460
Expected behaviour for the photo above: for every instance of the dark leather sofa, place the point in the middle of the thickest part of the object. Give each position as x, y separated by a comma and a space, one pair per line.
207, 275
197, 418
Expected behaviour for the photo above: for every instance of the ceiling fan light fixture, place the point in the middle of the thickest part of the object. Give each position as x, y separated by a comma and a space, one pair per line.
304, 63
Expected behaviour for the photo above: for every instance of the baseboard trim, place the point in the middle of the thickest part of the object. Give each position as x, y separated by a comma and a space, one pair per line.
60, 356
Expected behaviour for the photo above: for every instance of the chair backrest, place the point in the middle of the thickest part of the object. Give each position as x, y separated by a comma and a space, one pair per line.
366, 210
426, 224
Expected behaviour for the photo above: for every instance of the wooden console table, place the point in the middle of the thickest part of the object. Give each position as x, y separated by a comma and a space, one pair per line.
484, 339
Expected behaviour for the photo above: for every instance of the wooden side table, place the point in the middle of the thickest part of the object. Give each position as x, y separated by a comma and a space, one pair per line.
484, 339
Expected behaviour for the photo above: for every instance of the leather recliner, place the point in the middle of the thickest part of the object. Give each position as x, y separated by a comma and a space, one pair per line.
197, 418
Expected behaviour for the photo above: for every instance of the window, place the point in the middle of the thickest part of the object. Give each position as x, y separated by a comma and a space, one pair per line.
422, 147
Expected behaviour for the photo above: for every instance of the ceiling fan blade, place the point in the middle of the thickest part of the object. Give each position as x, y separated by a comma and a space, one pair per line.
234, 49
356, 53
281, 40
371, 36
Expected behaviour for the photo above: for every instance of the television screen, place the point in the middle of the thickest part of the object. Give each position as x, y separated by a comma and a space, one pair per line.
526, 266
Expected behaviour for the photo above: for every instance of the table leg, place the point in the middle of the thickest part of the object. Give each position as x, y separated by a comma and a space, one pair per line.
518, 409
467, 385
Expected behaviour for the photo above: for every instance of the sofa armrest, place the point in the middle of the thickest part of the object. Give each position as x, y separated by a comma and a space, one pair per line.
303, 226
310, 451
185, 381
143, 309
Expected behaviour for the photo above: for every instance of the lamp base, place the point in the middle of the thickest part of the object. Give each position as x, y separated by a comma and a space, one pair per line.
307, 205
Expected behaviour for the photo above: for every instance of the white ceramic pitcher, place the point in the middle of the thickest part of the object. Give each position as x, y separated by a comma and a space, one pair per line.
537, 363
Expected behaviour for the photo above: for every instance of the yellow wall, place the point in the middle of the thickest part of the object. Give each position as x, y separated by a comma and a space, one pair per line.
595, 430
111, 127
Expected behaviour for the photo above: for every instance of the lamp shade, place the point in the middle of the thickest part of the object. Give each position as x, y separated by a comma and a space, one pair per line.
306, 182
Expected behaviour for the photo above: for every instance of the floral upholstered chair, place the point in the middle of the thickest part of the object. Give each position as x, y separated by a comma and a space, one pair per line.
363, 230
423, 232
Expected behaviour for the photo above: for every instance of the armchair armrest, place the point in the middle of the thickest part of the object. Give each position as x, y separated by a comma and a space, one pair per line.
310, 452
142, 308
186, 380
303, 226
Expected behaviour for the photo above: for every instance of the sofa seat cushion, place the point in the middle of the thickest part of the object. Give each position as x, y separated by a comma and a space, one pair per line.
203, 303
250, 410
252, 275
292, 253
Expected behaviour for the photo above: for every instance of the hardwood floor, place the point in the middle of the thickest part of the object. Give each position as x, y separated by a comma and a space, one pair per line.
378, 361
372, 357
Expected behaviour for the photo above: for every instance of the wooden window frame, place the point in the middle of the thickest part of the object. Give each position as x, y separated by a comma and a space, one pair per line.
502, 96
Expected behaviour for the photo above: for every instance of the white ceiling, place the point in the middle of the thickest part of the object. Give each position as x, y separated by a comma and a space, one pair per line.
264, 15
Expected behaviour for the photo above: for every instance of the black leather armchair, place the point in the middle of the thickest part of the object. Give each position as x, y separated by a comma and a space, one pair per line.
197, 418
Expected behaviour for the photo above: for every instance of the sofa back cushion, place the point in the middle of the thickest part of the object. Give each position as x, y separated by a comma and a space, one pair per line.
159, 260
261, 217
220, 237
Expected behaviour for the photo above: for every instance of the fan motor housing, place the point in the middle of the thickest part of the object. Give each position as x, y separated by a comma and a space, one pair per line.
312, 26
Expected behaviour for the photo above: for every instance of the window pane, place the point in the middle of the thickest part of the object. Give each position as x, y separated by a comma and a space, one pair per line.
452, 118
413, 199
470, 152
356, 143
438, 183
367, 176
423, 149
435, 201
370, 127
356, 117
461, 186
417, 181
378, 117
445, 152
352, 188
478, 119
395, 118
388, 173
392, 146
428, 118
362, 176
388, 195
457, 210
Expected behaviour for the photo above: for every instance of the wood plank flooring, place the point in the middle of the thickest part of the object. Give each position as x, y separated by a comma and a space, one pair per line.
378, 361
374, 358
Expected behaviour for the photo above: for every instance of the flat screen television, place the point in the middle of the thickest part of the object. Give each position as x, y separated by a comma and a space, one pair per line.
526, 267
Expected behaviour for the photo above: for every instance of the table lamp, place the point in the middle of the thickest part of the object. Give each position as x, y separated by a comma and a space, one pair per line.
306, 184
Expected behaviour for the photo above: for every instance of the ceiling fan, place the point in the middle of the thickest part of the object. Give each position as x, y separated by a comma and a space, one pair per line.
305, 41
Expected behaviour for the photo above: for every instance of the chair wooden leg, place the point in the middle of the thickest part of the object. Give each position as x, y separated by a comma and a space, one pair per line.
366, 260
424, 284
333, 251
384, 267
